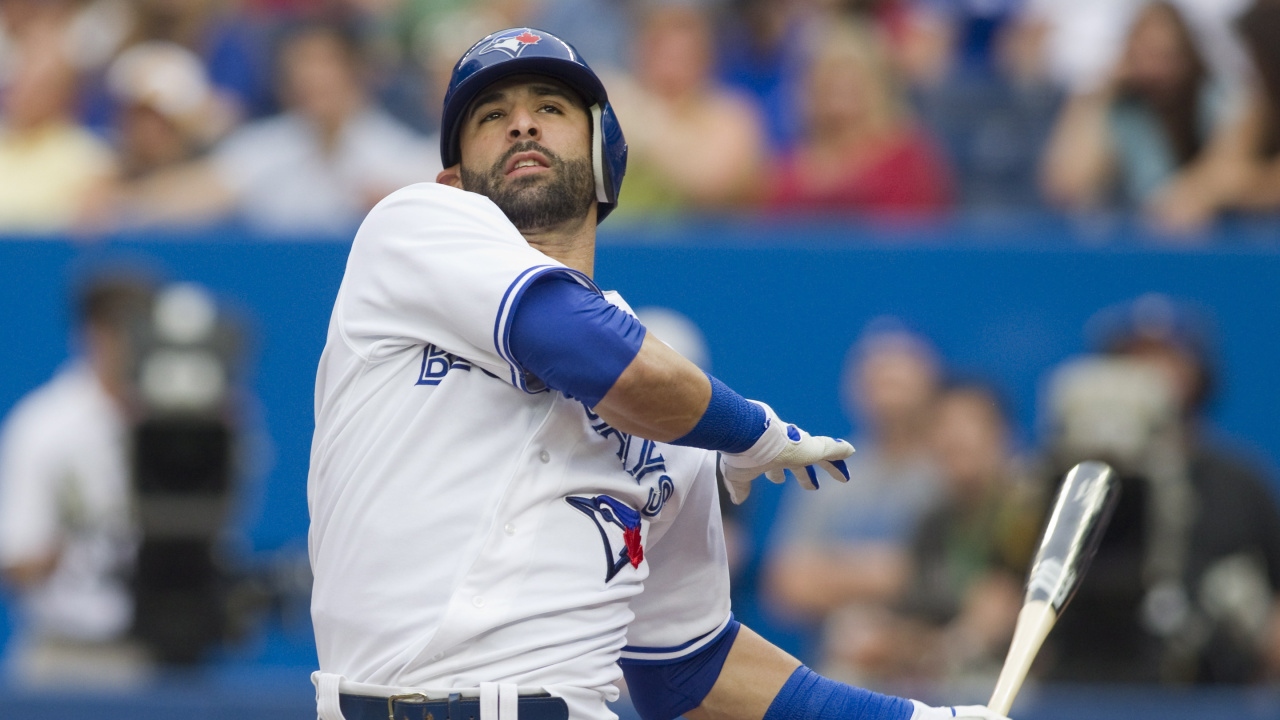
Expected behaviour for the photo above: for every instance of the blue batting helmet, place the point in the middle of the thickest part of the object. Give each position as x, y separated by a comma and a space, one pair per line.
526, 50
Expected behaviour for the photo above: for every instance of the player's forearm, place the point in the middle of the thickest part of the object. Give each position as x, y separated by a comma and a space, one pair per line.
759, 681
753, 673
660, 396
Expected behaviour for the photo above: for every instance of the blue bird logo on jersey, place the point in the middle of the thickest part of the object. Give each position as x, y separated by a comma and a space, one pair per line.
512, 44
610, 514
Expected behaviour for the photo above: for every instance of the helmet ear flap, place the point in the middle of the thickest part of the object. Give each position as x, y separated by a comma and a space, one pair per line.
604, 191
611, 147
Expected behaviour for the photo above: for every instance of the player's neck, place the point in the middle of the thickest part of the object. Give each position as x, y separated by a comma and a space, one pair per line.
573, 243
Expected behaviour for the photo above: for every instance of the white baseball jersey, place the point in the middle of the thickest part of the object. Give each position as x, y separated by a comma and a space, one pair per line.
468, 525
64, 488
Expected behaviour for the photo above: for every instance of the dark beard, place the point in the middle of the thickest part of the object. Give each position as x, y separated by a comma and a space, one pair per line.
537, 202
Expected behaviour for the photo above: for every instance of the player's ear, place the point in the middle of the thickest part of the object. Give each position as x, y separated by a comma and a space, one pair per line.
451, 176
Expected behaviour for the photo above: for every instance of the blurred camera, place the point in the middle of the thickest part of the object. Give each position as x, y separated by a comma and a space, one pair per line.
184, 355
1113, 409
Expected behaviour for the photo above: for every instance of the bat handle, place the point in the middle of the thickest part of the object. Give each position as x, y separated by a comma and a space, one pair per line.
1034, 622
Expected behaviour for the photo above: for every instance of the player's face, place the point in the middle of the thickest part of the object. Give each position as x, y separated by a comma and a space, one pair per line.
526, 145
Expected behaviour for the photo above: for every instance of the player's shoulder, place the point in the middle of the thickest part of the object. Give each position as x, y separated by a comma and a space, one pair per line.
430, 215
439, 199
430, 212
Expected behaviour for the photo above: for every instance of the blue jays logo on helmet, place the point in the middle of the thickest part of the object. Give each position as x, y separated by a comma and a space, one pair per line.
511, 42
527, 50
611, 515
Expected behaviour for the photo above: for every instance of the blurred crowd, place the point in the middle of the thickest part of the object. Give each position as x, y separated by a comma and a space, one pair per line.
913, 575
295, 116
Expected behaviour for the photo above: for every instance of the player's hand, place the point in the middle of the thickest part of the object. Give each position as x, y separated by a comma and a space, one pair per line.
959, 712
783, 447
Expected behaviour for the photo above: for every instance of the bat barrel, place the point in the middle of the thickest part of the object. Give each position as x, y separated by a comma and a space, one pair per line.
1080, 515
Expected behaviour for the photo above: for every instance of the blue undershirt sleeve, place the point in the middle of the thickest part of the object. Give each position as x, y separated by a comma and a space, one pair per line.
576, 342
667, 690
573, 339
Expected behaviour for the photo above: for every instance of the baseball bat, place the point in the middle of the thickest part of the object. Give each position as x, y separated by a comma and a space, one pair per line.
1080, 515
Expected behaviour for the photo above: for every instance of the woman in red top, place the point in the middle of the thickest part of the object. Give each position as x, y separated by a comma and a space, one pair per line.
861, 151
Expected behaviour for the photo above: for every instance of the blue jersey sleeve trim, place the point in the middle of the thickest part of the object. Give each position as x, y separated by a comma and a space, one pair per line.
661, 655
506, 308
569, 338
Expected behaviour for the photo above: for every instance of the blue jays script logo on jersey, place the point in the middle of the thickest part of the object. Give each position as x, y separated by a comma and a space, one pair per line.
641, 460
611, 516
512, 43
437, 363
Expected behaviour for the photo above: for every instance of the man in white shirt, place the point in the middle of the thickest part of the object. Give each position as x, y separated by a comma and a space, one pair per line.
67, 537
315, 168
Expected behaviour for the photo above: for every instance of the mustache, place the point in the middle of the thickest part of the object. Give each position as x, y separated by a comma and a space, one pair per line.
526, 146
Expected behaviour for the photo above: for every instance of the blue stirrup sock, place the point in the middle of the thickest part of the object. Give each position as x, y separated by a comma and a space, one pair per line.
809, 696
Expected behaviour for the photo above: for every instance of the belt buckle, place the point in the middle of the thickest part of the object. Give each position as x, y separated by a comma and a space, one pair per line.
415, 697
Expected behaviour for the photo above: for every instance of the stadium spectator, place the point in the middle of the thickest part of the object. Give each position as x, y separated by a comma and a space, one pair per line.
969, 555
833, 550
763, 52
89, 32
1076, 43
48, 162
316, 168
1186, 584
1242, 168
167, 113
1260, 28
67, 533
1149, 124
167, 109
600, 29
694, 144
860, 151
969, 90
942, 39
232, 46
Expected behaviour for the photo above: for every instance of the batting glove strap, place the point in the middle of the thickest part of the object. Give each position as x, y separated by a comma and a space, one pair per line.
783, 447
959, 712
770, 444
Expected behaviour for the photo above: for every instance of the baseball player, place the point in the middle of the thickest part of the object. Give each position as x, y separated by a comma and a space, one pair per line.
513, 486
